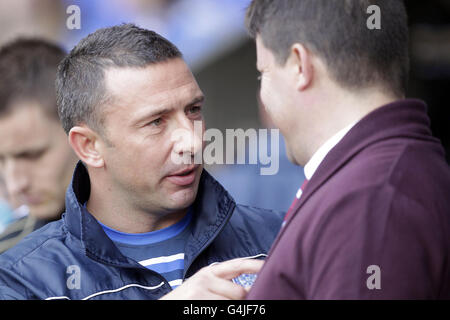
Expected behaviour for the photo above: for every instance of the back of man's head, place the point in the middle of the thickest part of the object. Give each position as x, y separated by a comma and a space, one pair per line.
337, 31
28, 68
80, 80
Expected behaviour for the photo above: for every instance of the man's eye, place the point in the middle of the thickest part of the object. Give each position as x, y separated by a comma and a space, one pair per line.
156, 122
195, 110
32, 155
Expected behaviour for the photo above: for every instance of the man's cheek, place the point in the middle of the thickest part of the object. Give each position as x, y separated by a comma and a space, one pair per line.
266, 99
271, 105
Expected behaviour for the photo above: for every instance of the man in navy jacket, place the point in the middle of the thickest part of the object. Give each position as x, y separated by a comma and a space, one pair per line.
141, 216
373, 219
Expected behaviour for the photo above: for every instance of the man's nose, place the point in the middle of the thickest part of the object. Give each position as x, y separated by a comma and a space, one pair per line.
16, 178
187, 138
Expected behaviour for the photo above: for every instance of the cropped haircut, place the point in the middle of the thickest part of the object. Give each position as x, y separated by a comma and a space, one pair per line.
356, 56
80, 82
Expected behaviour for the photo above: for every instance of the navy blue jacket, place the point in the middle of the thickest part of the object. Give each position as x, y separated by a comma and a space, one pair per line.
74, 259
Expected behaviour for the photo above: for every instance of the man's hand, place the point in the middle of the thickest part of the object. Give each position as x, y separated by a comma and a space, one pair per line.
214, 282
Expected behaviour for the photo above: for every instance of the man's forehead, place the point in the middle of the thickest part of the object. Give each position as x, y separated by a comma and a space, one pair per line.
165, 83
25, 128
154, 77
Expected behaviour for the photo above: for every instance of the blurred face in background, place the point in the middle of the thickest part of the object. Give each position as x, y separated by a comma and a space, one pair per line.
3, 193
36, 161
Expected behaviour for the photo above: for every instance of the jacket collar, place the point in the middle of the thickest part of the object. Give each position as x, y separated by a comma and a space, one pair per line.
212, 208
405, 118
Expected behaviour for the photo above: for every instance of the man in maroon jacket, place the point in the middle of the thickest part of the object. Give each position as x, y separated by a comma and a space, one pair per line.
373, 219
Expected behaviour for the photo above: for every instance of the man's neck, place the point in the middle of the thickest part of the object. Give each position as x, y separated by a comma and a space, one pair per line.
342, 111
317, 158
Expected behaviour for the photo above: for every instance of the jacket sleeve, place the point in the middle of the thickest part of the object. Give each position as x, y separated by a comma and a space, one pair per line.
7, 293
11, 284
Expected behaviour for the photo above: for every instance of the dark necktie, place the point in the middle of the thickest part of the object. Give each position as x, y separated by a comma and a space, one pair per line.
296, 199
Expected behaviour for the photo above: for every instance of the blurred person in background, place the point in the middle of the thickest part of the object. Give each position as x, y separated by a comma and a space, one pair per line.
6, 212
10, 211
34, 19
36, 161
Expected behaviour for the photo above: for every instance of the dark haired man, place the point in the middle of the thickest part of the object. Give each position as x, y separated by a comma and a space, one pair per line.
138, 222
373, 219
35, 159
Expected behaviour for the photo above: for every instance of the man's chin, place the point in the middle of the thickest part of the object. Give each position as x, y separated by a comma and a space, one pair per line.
290, 156
183, 198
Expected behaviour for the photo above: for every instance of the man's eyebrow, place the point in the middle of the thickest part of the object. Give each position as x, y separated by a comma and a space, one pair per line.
144, 116
199, 99
164, 110
29, 151
158, 112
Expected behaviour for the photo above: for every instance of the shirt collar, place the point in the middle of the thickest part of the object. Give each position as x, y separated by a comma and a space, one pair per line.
321, 153
148, 237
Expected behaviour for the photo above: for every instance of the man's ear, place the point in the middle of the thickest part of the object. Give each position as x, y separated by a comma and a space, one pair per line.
301, 61
87, 145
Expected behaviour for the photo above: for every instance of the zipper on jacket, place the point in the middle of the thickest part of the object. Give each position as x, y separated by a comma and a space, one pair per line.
207, 243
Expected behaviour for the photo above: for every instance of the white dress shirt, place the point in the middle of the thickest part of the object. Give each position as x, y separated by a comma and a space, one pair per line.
321, 153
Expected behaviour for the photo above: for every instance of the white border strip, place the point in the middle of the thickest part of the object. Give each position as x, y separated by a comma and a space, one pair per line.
162, 259
109, 291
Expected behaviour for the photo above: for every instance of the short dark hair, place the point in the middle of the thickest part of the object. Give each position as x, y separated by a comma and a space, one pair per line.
336, 31
80, 84
27, 72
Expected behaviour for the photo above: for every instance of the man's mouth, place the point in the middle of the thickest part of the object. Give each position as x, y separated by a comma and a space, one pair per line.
185, 173
183, 177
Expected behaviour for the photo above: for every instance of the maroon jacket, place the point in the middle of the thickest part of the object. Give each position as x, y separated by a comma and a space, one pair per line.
373, 221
